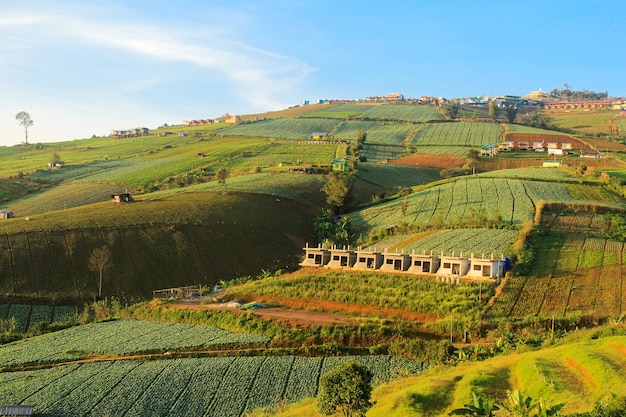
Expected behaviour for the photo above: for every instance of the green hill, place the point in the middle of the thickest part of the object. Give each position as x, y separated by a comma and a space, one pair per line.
182, 239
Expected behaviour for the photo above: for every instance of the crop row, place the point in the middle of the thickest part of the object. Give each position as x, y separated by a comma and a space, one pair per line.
377, 132
417, 114
27, 316
458, 134
119, 337
282, 128
477, 241
224, 386
461, 201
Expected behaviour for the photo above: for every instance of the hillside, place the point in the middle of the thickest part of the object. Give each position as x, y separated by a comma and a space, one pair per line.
183, 239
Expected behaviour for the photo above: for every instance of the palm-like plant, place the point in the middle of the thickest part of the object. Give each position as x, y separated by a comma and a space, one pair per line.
481, 407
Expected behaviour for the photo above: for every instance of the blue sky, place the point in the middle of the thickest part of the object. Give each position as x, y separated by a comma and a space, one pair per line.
87, 67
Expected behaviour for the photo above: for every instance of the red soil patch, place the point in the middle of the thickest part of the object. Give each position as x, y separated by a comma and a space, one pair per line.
582, 371
325, 305
431, 161
293, 317
619, 348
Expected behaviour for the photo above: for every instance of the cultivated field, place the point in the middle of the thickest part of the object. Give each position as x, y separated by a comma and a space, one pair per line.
27, 316
299, 129
392, 133
221, 386
461, 200
416, 113
458, 134
585, 121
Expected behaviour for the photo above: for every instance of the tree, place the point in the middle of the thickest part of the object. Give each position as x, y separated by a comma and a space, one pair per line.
25, 120
222, 174
451, 109
99, 260
338, 189
510, 111
345, 390
494, 110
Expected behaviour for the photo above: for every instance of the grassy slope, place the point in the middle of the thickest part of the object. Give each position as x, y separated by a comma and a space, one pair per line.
171, 241
577, 373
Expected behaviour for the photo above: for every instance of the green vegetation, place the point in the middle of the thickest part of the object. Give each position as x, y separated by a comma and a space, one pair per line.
458, 134
417, 114
346, 390
300, 129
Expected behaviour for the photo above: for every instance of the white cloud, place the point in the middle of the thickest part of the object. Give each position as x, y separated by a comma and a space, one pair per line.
72, 36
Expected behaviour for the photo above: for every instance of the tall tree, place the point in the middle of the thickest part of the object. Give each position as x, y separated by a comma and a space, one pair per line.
345, 390
451, 109
25, 120
222, 174
510, 111
338, 189
494, 110
99, 260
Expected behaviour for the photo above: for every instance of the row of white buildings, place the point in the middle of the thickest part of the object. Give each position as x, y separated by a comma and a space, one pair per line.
421, 264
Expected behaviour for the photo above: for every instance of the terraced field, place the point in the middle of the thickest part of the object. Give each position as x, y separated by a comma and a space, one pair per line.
27, 316
415, 113
453, 202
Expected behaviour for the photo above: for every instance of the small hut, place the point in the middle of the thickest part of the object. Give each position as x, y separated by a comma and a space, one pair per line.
368, 260
341, 258
315, 256
424, 264
454, 265
6, 214
393, 261
121, 198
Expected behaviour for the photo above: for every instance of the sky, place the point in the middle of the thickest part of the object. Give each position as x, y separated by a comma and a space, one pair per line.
83, 68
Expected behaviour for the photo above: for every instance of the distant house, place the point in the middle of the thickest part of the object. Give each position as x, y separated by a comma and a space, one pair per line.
566, 146
395, 262
489, 149
538, 145
507, 145
318, 136
424, 264
341, 258
451, 265
486, 268
554, 151
232, 118
56, 164
553, 145
366, 260
523, 145
121, 198
589, 153
340, 165
6, 214
315, 256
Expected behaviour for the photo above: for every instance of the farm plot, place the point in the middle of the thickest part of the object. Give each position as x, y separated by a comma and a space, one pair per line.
392, 133
458, 134
466, 241
532, 173
119, 337
621, 126
432, 160
417, 113
591, 122
458, 201
299, 129
224, 386
340, 111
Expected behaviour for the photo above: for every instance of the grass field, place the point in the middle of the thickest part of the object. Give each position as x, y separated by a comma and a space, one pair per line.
299, 129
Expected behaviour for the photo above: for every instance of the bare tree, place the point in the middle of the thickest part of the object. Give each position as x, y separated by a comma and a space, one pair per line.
99, 260
24, 118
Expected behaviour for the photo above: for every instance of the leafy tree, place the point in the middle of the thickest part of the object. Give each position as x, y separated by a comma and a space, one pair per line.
357, 145
494, 110
510, 111
26, 121
338, 189
99, 260
452, 108
331, 229
480, 407
472, 159
55, 158
222, 174
345, 390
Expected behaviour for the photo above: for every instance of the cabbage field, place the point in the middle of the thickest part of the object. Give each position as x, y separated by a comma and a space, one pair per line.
458, 134
461, 200
218, 386
416, 114
27, 316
